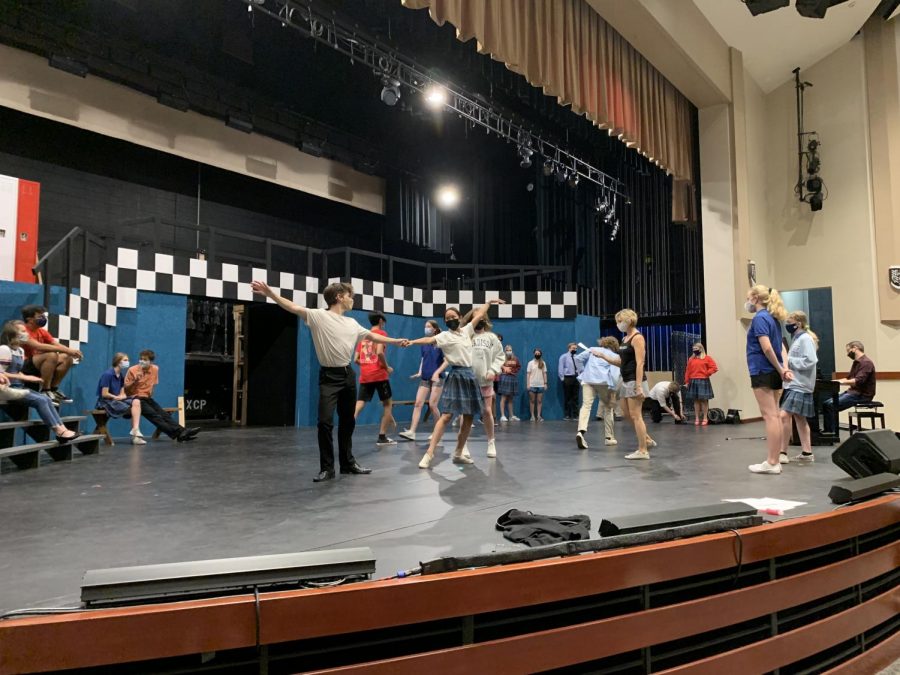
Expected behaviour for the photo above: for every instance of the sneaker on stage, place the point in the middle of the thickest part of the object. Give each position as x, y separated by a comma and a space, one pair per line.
425, 462
61, 396
384, 440
765, 467
465, 452
783, 458
804, 458
503, 419
579, 439
651, 443
514, 419
611, 441
408, 435
492, 449
137, 438
462, 459
637, 454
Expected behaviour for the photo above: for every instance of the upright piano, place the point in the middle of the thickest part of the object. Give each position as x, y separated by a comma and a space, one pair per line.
824, 390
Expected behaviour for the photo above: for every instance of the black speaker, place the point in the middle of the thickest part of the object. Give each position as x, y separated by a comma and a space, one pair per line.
866, 453
675, 517
854, 490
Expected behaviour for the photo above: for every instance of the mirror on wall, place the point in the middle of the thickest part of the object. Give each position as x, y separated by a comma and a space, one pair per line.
816, 302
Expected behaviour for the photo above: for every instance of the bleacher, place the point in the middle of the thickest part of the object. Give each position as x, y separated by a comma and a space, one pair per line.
25, 440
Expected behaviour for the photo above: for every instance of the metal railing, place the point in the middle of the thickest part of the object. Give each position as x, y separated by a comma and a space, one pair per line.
68, 248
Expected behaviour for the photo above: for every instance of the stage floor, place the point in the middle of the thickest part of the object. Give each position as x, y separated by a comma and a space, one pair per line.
238, 492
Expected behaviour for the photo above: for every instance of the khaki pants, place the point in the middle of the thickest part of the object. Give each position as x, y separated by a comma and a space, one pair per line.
607, 398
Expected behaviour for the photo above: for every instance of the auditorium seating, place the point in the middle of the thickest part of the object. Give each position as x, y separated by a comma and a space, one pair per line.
23, 448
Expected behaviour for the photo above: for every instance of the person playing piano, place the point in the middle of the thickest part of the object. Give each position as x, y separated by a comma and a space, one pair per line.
861, 381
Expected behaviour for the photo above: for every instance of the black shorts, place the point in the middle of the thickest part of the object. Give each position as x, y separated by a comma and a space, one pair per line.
766, 381
368, 389
28, 368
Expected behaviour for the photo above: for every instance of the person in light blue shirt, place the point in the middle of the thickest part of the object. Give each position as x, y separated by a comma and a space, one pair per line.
599, 379
797, 402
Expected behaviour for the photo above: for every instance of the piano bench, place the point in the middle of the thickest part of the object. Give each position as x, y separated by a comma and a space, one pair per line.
870, 410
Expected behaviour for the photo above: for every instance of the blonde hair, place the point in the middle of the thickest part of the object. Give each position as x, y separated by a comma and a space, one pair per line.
118, 358
610, 342
467, 318
771, 299
628, 315
702, 348
801, 318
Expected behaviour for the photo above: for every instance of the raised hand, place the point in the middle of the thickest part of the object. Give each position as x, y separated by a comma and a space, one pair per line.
261, 287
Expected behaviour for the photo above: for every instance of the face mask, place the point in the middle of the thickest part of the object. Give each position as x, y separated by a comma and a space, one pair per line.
429, 330
41, 321
791, 327
573, 350
23, 337
452, 324
696, 352
124, 364
851, 355
509, 352
144, 363
481, 325
622, 326
750, 307
537, 356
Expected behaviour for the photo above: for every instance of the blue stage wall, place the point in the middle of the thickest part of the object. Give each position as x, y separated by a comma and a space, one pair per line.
157, 324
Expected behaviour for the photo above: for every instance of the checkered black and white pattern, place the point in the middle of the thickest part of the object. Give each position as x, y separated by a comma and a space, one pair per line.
392, 299
98, 301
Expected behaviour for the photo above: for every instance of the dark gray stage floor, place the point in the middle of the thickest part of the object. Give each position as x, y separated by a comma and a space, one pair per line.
237, 492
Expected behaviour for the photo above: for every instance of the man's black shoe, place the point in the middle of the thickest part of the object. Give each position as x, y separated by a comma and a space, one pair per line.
188, 434
324, 475
355, 468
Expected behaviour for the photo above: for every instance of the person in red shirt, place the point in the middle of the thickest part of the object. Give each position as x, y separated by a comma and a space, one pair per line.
44, 355
700, 367
374, 372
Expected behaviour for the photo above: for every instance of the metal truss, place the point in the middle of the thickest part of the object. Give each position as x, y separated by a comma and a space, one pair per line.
396, 70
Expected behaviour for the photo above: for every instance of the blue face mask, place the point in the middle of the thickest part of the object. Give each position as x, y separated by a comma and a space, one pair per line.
791, 327
124, 364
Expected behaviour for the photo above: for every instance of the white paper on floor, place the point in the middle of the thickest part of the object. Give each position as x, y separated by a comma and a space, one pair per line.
767, 503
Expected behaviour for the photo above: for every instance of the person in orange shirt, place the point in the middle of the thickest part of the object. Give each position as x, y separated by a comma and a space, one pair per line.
45, 357
374, 374
139, 383
700, 367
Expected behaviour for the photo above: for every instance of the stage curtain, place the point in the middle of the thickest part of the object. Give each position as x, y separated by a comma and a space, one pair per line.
566, 48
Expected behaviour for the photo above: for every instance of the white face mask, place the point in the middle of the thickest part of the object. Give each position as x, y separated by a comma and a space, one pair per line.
429, 330
750, 307
23, 337
124, 364
622, 326
144, 363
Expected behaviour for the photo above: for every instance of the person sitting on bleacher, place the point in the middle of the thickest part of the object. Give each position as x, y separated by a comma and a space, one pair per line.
44, 355
12, 359
139, 383
860, 379
111, 396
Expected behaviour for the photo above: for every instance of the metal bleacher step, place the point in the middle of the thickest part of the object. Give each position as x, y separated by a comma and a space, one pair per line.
28, 456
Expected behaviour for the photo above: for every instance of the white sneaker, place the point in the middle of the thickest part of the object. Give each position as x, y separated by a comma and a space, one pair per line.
783, 458
651, 443
138, 440
611, 441
503, 419
765, 467
429, 437
425, 462
136, 432
540, 419
408, 435
807, 458
579, 439
462, 459
455, 422
492, 449
514, 419
465, 452
637, 454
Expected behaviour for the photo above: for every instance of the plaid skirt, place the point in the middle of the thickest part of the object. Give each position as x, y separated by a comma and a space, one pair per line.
509, 385
700, 389
461, 395
798, 403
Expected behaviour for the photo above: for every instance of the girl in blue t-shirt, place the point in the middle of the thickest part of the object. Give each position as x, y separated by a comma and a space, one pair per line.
765, 361
430, 376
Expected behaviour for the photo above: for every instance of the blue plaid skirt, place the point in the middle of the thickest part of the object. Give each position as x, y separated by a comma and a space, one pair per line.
700, 389
461, 395
798, 403
509, 385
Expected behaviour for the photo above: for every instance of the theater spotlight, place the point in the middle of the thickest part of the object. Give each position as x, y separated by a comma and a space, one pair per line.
390, 92
813, 165
447, 196
525, 154
548, 167
814, 184
561, 174
815, 201
573, 180
436, 97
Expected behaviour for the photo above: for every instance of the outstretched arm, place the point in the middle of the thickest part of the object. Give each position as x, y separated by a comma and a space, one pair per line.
385, 340
481, 312
426, 340
262, 288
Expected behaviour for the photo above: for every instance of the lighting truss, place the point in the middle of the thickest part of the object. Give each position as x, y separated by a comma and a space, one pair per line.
326, 28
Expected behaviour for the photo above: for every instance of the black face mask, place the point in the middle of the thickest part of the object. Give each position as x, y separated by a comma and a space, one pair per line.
696, 352
572, 351
851, 355
481, 325
452, 324
537, 356
791, 328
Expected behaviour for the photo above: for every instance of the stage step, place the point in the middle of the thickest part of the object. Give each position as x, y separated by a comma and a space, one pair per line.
35, 428
27, 456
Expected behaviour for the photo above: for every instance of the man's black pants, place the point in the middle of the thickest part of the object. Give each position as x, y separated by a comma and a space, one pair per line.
656, 411
160, 418
337, 389
571, 387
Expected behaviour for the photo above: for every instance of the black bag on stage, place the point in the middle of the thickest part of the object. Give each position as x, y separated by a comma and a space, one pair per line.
716, 416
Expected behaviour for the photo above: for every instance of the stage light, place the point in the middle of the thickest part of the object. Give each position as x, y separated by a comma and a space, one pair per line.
814, 184
239, 123
813, 165
68, 65
573, 180
436, 97
561, 174
813, 145
757, 7
548, 167
815, 202
525, 153
447, 196
390, 92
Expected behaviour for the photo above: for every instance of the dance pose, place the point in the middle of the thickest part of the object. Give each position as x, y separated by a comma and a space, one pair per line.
487, 362
700, 367
461, 395
334, 338
634, 389
798, 401
431, 382
599, 379
765, 361
374, 375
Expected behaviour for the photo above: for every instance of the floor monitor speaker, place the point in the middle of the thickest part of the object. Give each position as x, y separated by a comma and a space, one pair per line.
867, 453
662, 519
854, 490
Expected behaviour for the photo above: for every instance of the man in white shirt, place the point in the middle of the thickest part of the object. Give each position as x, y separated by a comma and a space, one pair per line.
666, 397
334, 338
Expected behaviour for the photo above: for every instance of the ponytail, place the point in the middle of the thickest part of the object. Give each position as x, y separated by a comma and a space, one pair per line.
772, 300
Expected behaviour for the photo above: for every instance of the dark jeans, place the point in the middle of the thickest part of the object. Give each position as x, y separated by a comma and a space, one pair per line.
845, 400
656, 411
571, 386
337, 389
160, 418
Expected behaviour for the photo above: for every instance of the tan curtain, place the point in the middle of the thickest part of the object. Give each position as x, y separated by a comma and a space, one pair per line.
566, 48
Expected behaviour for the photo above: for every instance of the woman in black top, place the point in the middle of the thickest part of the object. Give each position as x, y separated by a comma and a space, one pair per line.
633, 390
